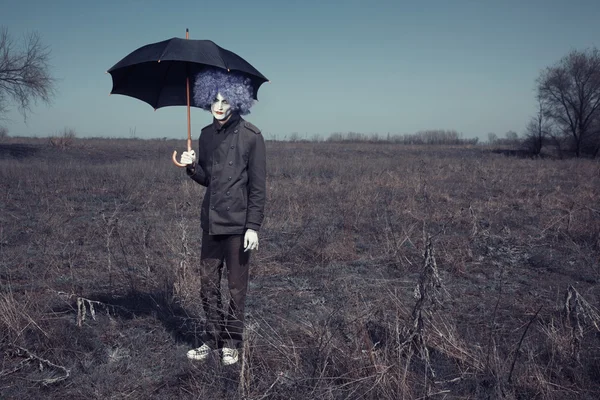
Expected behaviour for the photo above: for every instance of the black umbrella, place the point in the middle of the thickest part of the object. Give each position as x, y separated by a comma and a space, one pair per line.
159, 73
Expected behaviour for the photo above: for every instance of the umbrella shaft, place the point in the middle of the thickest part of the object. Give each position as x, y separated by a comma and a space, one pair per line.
187, 89
189, 126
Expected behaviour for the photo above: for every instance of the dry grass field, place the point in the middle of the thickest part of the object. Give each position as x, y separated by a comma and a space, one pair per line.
385, 271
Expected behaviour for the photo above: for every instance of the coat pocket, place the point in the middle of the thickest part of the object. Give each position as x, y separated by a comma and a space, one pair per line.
243, 198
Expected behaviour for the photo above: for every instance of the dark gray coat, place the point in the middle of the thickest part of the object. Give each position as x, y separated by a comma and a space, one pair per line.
231, 163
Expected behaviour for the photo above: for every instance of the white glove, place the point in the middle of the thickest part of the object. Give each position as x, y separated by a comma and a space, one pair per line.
188, 157
250, 240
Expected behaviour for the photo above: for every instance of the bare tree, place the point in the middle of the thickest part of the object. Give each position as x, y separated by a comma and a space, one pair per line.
571, 91
511, 138
538, 129
595, 136
24, 73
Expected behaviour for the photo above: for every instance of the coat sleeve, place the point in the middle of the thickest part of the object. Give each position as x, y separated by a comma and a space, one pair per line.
196, 172
257, 176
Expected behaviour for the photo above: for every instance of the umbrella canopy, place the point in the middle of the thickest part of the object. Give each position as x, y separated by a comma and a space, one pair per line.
156, 73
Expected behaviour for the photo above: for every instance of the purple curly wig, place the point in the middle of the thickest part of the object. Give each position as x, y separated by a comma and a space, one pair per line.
234, 87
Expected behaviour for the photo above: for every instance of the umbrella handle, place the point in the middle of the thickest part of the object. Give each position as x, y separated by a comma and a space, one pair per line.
174, 158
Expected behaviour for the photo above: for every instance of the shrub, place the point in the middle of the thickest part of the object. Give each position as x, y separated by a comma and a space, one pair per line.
64, 139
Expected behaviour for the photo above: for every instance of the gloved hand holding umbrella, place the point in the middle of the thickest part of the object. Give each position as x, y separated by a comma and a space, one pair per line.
187, 157
159, 74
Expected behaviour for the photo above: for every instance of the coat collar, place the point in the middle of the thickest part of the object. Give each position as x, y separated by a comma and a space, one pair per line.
233, 120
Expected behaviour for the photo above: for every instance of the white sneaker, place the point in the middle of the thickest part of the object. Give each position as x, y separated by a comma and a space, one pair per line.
229, 356
200, 354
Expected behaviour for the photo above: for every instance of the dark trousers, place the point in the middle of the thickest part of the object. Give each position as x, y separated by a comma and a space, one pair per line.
223, 328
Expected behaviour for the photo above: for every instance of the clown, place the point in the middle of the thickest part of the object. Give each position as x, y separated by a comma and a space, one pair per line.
231, 164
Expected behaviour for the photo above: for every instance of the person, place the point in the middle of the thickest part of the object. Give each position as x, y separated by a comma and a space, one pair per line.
231, 164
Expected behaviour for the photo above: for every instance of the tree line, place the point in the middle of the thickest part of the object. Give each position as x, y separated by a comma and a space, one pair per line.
425, 137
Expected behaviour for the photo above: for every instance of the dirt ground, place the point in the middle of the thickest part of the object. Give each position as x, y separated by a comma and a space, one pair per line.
385, 271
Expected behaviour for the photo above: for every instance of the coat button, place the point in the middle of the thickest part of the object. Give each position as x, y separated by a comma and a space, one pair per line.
235, 131
212, 208
227, 208
232, 147
229, 178
213, 193
227, 193
230, 162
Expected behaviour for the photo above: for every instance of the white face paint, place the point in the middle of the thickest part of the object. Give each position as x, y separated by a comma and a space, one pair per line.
220, 108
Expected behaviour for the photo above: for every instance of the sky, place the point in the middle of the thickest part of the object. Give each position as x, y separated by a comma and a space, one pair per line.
382, 67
